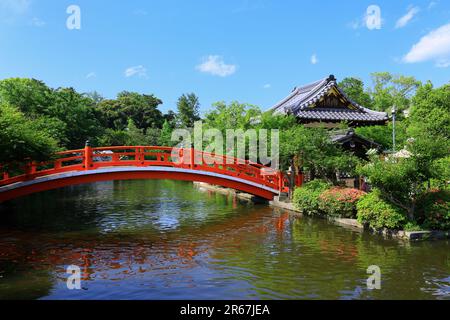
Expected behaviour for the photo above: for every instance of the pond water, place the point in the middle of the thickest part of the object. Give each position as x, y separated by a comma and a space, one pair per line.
171, 240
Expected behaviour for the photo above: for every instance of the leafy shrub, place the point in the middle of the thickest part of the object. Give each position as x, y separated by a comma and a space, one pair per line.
339, 201
378, 213
434, 210
306, 198
412, 226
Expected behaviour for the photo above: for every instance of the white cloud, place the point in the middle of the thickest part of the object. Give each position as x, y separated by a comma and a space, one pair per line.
13, 11
15, 6
91, 75
139, 71
140, 12
432, 4
403, 21
355, 24
267, 86
314, 59
433, 46
36, 22
216, 66
443, 63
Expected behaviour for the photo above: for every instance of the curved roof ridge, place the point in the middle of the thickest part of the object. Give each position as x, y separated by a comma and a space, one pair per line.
362, 108
300, 100
298, 90
315, 94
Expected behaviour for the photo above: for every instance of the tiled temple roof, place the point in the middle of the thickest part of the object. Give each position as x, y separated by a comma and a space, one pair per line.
302, 104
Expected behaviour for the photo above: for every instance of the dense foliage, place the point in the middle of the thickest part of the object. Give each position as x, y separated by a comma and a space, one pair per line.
188, 110
378, 213
36, 121
340, 202
434, 210
306, 198
403, 180
320, 198
315, 152
22, 138
63, 118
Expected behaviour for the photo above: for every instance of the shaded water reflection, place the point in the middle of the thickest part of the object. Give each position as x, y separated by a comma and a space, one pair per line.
169, 240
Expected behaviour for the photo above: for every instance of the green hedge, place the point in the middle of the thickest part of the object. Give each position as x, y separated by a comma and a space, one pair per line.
306, 198
378, 213
320, 198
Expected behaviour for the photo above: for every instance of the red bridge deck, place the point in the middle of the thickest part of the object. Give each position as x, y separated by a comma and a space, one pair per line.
140, 162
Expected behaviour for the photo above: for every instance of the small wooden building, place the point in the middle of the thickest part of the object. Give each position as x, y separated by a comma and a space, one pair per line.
324, 103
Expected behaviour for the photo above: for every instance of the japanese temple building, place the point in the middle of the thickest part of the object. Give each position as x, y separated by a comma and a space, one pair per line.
324, 103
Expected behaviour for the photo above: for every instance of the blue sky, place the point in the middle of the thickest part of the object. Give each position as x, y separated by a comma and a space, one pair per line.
250, 51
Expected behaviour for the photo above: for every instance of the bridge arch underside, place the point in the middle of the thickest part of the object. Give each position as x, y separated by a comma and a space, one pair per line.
56, 181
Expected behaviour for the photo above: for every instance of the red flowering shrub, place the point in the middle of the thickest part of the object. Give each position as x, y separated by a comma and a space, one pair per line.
340, 202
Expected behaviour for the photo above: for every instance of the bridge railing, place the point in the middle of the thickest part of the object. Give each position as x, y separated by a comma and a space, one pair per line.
143, 156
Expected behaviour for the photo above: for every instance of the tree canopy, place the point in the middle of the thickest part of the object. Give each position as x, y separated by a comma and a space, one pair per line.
188, 106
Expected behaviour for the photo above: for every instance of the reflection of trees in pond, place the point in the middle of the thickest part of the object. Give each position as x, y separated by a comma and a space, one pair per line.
20, 278
58, 209
319, 259
278, 265
410, 264
116, 206
399, 261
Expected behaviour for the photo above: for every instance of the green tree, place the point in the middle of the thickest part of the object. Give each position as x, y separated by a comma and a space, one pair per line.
354, 89
95, 96
171, 118
135, 136
30, 96
383, 134
68, 115
400, 181
314, 151
77, 112
22, 138
404, 181
166, 135
430, 112
390, 90
233, 116
141, 108
188, 106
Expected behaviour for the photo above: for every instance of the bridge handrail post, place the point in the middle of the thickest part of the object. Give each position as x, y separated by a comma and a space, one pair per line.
280, 180
139, 156
87, 156
30, 169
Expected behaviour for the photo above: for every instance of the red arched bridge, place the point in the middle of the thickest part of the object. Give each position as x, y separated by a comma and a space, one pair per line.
127, 163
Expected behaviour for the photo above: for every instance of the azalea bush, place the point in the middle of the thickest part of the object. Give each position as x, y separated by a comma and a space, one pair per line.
306, 198
340, 202
434, 210
372, 209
